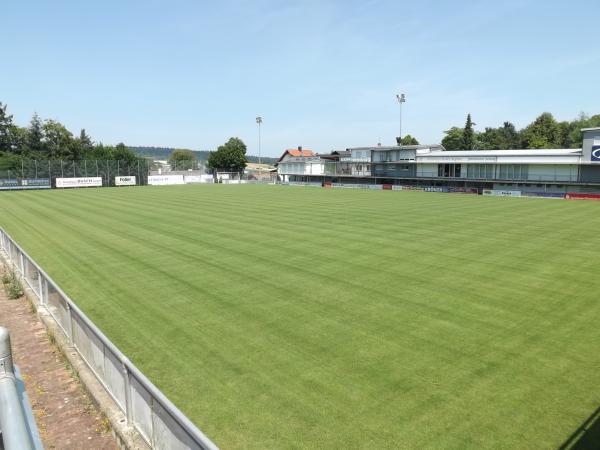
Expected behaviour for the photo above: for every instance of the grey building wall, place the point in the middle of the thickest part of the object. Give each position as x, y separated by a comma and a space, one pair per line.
590, 174
394, 170
591, 138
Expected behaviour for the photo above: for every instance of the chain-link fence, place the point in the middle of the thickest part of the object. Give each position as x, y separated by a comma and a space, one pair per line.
60, 168
195, 164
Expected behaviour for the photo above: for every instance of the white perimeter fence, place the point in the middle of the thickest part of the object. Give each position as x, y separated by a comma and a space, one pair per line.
161, 424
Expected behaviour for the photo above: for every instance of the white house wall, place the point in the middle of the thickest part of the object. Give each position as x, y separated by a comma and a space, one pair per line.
314, 169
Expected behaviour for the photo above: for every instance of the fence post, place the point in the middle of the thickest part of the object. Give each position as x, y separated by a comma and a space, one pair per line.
40, 287
69, 323
12, 418
127, 385
21, 263
45, 292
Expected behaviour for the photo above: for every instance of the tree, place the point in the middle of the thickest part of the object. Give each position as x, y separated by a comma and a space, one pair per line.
18, 137
58, 139
573, 139
505, 137
510, 135
543, 132
6, 130
85, 142
229, 157
468, 134
409, 140
35, 135
121, 153
182, 159
453, 139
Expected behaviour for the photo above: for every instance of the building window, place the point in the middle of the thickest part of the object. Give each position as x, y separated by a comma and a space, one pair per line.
513, 171
480, 171
449, 170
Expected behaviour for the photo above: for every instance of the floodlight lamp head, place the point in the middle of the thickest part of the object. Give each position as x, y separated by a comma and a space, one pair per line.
259, 119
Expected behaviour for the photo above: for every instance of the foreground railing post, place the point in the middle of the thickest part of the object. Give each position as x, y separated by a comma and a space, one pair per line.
127, 386
69, 324
22, 263
13, 425
40, 288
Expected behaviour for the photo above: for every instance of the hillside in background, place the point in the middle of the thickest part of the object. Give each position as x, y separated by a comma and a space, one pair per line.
163, 153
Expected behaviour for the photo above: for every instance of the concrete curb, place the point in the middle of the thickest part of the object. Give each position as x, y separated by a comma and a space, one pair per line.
125, 435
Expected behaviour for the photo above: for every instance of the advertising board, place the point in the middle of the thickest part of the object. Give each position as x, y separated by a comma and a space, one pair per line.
79, 182
544, 194
188, 179
356, 186
24, 183
9, 183
581, 196
198, 179
125, 181
165, 180
501, 193
462, 190
35, 183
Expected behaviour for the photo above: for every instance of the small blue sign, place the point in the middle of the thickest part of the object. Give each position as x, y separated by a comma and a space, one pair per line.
596, 153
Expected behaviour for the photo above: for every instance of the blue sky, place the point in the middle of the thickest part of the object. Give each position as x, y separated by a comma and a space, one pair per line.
323, 74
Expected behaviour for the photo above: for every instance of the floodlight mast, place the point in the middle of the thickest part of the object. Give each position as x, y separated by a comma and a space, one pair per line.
259, 120
401, 99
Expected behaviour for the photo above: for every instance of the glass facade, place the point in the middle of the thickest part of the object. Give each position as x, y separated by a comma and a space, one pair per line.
513, 171
480, 171
449, 170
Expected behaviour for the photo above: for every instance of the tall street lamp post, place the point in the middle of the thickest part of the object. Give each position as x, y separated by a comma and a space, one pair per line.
259, 121
401, 99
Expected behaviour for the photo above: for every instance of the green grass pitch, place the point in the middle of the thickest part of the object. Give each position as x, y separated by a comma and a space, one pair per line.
288, 317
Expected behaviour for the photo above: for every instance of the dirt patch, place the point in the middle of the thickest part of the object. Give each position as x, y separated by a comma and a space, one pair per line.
64, 412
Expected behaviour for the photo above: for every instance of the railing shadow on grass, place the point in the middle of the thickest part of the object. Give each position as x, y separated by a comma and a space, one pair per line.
587, 436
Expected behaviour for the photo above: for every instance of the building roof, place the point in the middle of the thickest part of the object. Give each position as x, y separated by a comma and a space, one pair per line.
400, 147
525, 152
591, 129
297, 152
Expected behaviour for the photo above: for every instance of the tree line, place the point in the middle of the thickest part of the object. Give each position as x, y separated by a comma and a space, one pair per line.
50, 139
544, 132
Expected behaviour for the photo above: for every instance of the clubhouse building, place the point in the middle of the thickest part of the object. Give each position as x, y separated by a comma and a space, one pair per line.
532, 170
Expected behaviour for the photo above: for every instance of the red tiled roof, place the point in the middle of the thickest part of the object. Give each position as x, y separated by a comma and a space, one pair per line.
296, 152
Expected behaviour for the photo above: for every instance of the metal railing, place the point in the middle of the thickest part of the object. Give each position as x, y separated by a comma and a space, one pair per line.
160, 423
14, 432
